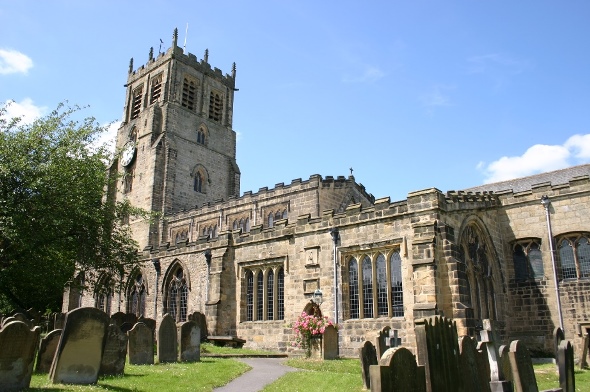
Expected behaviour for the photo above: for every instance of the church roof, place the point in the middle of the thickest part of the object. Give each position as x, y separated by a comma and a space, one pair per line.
556, 177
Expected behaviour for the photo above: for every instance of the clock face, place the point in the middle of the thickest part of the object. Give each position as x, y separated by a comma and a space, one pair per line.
128, 154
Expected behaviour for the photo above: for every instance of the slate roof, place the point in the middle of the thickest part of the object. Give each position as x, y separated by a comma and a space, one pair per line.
556, 177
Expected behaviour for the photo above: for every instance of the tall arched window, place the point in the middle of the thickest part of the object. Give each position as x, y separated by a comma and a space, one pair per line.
281, 294
397, 292
136, 296
198, 185
260, 296
583, 253
367, 271
566, 256
249, 296
177, 298
270, 281
201, 136
382, 308
353, 291
528, 260
270, 219
104, 294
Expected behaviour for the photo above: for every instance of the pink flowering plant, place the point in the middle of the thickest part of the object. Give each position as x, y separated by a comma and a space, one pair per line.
308, 325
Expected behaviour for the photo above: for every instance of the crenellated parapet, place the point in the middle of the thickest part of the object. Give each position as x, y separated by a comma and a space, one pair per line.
177, 53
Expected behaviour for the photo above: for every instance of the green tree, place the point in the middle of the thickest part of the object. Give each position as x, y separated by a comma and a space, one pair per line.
55, 216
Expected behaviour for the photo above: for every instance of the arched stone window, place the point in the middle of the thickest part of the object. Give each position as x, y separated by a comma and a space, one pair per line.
260, 296
476, 277
265, 293
176, 301
249, 296
397, 292
136, 295
136, 103
367, 279
353, 292
270, 282
104, 293
156, 89
201, 135
574, 255
270, 219
528, 260
382, 308
198, 185
215, 106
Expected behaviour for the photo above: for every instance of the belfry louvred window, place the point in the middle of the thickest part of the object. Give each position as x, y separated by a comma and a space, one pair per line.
136, 105
156, 89
215, 106
189, 90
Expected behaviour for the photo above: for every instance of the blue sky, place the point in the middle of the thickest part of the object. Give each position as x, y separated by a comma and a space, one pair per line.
410, 94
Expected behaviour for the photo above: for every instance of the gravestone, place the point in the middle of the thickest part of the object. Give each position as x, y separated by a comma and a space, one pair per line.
167, 341
403, 368
189, 342
201, 321
523, 374
118, 318
47, 350
23, 317
115, 352
130, 318
125, 327
368, 356
483, 366
7, 320
505, 362
79, 352
495, 380
584, 358
59, 320
18, 344
558, 337
330, 342
141, 345
565, 364
469, 364
149, 322
381, 341
438, 346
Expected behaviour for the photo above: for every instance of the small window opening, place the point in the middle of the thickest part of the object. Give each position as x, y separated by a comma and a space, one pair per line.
136, 107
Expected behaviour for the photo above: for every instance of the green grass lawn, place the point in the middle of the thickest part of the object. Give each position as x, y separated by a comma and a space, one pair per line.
338, 375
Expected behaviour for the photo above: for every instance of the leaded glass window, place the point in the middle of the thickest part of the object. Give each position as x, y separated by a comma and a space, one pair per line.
382, 308
367, 271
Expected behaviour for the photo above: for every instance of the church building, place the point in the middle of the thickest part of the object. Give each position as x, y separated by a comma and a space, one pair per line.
516, 252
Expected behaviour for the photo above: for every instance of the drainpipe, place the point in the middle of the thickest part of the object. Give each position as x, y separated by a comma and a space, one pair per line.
546, 203
335, 237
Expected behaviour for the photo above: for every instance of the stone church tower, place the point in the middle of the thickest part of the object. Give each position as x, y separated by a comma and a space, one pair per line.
178, 149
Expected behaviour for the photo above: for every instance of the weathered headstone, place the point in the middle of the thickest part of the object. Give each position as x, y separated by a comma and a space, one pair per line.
558, 337
118, 318
59, 320
125, 327
167, 341
189, 342
17, 354
151, 323
523, 374
7, 320
483, 366
79, 352
381, 341
368, 356
403, 370
330, 342
584, 357
201, 321
565, 363
47, 350
115, 352
505, 362
469, 364
130, 318
141, 345
23, 317
442, 353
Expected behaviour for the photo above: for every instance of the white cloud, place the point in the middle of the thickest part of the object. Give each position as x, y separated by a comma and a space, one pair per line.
538, 159
12, 61
495, 62
109, 138
437, 96
370, 74
25, 109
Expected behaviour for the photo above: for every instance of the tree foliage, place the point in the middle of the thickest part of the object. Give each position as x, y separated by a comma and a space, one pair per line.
54, 213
